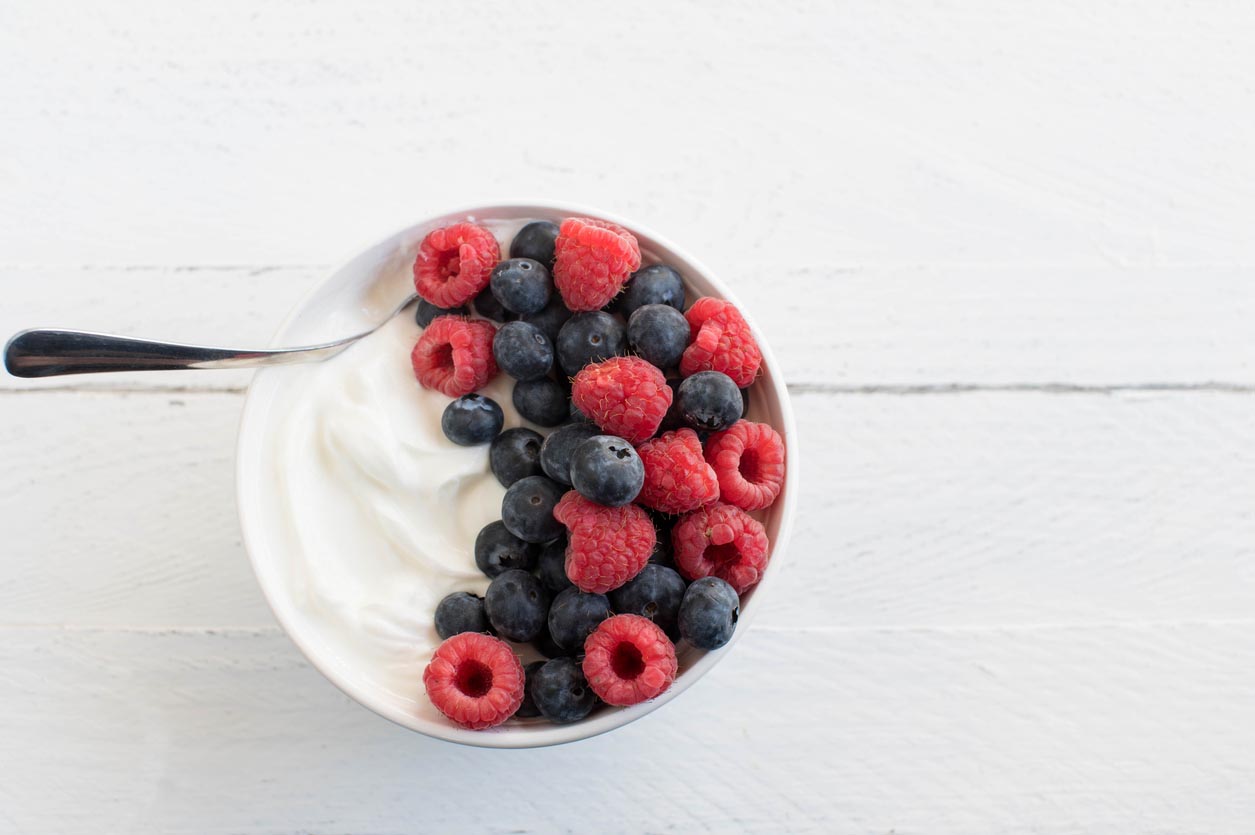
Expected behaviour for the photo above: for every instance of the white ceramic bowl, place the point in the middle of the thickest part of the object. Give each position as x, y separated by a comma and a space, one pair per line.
360, 294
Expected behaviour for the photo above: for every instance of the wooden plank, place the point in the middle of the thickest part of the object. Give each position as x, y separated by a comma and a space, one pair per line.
1008, 326
229, 306
1132, 729
886, 327
120, 509
900, 134
951, 509
1021, 508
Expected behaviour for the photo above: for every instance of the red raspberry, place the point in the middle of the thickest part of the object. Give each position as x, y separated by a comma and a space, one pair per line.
475, 680
455, 263
748, 458
677, 477
607, 546
723, 541
454, 355
625, 396
629, 659
592, 260
720, 340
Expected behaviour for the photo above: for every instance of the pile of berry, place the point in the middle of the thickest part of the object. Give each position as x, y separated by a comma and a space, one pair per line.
628, 528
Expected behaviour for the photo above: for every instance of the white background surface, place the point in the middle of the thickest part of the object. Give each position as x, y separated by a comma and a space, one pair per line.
1004, 253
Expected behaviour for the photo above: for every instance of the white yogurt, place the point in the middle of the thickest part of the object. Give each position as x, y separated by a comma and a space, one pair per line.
379, 509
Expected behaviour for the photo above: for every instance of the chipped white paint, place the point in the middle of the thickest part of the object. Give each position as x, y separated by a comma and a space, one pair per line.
1005, 260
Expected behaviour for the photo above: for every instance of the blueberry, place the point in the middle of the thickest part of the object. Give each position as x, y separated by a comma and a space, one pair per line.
673, 419
556, 451
551, 319
517, 605
551, 566
607, 470
576, 415
543, 401
460, 612
708, 613
515, 454
658, 284
528, 707
498, 550
521, 285
427, 311
486, 305
658, 334
662, 554
546, 646
709, 400
574, 615
527, 509
472, 419
535, 241
561, 692
522, 351
590, 337
656, 594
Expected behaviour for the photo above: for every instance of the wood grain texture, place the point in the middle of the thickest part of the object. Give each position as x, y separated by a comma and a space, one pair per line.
1004, 258
948, 510
877, 328
921, 731
144, 133
120, 509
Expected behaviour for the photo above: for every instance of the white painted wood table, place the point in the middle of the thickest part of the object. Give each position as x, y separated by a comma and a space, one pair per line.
1006, 257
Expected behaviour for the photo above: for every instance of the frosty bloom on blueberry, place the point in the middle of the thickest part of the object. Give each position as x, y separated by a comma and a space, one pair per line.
472, 419
626, 523
522, 351
561, 693
515, 454
607, 470
590, 337
498, 550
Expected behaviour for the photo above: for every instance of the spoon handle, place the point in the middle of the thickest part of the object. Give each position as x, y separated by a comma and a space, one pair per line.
51, 353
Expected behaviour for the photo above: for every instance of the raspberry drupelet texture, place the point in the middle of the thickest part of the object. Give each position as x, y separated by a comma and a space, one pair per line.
629, 659
748, 459
625, 396
720, 340
454, 355
475, 680
606, 546
722, 541
677, 477
592, 261
455, 263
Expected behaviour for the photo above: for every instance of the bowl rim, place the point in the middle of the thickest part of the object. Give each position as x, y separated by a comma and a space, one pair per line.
249, 438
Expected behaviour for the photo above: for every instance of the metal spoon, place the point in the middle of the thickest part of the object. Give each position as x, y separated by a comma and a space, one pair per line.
50, 353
